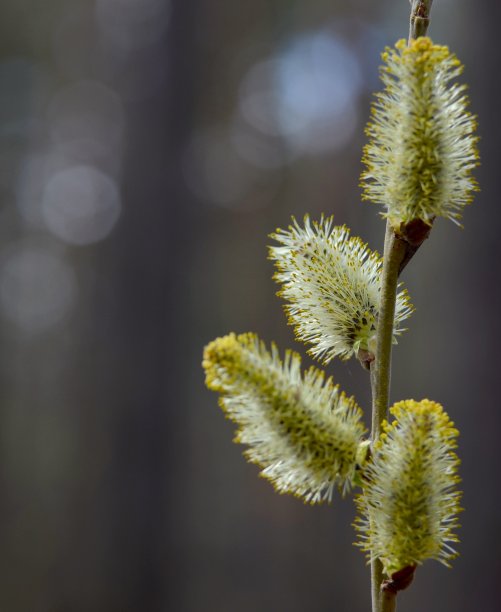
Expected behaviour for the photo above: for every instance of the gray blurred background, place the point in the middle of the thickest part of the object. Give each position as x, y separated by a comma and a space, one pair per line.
147, 149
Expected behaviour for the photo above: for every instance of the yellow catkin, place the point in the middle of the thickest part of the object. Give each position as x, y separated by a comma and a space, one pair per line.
331, 283
410, 501
298, 427
422, 148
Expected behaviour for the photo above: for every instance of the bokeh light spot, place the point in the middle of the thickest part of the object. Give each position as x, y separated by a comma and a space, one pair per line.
37, 288
81, 205
307, 93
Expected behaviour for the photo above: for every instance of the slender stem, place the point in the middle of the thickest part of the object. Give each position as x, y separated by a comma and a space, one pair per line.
394, 259
420, 18
389, 602
394, 252
395, 249
376, 581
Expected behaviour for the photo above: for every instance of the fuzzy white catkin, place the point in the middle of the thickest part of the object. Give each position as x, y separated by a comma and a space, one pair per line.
299, 428
422, 148
410, 501
331, 283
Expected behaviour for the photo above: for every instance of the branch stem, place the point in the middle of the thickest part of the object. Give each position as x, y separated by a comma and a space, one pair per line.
389, 602
420, 18
394, 253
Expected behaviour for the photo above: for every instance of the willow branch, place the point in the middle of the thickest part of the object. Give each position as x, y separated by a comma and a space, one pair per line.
396, 256
389, 602
420, 18
394, 253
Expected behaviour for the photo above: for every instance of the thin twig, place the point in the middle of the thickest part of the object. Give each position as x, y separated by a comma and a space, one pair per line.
394, 259
388, 602
394, 252
420, 18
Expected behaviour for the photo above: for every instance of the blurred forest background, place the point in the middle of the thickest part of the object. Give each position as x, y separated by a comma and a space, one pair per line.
147, 149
